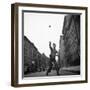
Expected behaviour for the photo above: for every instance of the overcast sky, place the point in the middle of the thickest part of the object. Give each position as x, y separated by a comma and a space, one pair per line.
41, 28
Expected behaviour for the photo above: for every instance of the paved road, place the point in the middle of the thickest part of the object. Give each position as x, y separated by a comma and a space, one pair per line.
52, 73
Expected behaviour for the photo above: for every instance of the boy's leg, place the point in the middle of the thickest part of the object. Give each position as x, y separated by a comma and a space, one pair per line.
50, 67
56, 67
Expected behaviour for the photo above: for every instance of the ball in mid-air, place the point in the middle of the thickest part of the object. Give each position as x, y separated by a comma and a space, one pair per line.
49, 26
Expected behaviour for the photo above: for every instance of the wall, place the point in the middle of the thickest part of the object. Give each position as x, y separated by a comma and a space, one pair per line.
71, 37
62, 52
33, 60
5, 45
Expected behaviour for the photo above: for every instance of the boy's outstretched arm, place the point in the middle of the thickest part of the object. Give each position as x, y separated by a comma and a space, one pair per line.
50, 45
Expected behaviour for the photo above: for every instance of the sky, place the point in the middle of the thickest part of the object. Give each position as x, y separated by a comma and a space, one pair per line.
40, 28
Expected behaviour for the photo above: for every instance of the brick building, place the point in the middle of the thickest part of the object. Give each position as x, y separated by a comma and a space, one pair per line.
71, 40
61, 52
34, 61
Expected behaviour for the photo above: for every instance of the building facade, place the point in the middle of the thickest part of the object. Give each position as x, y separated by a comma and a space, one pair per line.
61, 52
34, 61
71, 40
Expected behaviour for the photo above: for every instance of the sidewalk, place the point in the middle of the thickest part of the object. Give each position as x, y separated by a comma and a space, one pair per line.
75, 69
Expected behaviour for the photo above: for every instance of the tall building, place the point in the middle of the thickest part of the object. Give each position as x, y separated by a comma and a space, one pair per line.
34, 61
30, 56
61, 52
71, 39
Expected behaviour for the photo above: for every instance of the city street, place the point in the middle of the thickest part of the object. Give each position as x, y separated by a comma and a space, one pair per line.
63, 71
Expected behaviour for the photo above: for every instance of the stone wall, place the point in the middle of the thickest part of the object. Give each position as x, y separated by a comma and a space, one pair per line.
71, 37
61, 51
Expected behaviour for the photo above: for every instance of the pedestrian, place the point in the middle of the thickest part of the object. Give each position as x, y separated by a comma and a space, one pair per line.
52, 59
